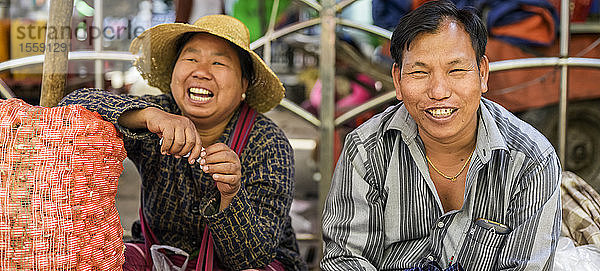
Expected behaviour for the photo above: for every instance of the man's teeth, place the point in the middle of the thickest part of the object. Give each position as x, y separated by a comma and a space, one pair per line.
441, 112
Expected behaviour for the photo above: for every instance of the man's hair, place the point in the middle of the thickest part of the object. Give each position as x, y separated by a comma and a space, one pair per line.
243, 56
427, 19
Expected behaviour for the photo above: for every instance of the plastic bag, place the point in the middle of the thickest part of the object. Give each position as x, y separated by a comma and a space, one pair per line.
162, 262
582, 258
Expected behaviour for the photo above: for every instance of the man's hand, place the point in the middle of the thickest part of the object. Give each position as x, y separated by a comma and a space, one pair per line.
224, 165
178, 133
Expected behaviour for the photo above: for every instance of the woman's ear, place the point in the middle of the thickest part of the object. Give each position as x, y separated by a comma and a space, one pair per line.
245, 84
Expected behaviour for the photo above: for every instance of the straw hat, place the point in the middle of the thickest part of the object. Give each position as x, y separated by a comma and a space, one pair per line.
158, 52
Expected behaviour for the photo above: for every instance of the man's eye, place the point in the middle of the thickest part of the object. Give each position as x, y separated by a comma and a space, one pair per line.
458, 70
190, 59
218, 63
417, 73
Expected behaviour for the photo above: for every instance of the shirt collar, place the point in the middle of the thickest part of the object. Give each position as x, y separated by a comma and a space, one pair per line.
488, 135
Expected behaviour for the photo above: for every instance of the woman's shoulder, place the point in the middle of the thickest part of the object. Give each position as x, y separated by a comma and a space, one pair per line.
266, 132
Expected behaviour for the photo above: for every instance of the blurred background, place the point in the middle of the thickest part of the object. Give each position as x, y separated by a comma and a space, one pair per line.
523, 36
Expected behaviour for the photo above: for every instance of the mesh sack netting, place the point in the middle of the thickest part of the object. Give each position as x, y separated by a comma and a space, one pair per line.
59, 170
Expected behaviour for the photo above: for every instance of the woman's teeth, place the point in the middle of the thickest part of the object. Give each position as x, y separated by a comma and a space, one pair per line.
441, 112
200, 94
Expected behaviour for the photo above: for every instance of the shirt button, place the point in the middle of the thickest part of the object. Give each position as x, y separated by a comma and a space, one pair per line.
195, 209
194, 243
440, 224
430, 258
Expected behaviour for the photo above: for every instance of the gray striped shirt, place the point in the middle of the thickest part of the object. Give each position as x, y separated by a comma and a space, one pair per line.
383, 212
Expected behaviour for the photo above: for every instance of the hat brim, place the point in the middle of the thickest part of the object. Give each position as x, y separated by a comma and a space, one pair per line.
157, 51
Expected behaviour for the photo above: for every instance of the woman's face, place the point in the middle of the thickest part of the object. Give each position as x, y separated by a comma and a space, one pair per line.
207, 82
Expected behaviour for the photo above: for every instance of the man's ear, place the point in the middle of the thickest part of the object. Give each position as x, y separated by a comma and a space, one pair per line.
484, 72
396, 76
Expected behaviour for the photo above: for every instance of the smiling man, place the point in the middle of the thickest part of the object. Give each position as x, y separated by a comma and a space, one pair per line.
445, 179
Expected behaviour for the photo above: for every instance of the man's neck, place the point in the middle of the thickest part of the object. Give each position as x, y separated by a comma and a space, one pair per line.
450, 150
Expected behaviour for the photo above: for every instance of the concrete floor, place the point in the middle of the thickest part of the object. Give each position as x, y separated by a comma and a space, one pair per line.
128, 196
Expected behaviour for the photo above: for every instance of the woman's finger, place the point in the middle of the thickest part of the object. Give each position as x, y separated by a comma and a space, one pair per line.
196, 149
224, 156
178, 141
166, 140
217, 147
227, 184
189, 142
223, 168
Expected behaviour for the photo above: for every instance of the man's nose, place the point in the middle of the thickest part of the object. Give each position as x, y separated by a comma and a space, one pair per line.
439, 88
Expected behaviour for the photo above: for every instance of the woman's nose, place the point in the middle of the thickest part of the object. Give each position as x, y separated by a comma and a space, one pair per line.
201, 71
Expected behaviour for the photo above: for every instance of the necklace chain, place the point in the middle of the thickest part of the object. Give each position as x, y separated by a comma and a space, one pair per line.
450, 178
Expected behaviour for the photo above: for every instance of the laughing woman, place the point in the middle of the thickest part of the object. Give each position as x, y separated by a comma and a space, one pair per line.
216, 173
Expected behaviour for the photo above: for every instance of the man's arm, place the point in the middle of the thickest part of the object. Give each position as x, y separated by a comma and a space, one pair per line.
352, 223
534, 213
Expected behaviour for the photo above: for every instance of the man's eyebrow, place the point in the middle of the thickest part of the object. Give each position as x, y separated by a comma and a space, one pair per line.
458, 61
418, 64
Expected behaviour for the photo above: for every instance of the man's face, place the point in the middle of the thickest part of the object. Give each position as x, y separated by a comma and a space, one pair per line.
206, 82
440, 83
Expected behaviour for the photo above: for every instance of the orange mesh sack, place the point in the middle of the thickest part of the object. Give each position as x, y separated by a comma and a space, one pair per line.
59, 169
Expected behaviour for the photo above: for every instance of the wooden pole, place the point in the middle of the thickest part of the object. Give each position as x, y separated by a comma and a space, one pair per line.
327, 110
56, 55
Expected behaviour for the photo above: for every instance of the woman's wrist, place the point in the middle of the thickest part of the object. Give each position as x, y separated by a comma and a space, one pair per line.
135, 119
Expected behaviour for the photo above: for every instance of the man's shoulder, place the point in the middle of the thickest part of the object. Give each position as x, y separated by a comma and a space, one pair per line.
519, 135
376, 126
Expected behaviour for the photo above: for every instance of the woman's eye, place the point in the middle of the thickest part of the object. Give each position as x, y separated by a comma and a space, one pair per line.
458, 70
190, 59
418, 73
218, 63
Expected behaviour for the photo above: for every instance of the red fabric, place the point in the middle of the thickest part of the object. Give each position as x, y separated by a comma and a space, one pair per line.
522, 89
135, 257
418, 3
538, 28
580, 9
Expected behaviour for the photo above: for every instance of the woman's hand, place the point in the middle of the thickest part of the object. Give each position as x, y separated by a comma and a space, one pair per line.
178, 133
224, 165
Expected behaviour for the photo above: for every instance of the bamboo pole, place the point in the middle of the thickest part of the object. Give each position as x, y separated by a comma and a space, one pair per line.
56, 52
327, 110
